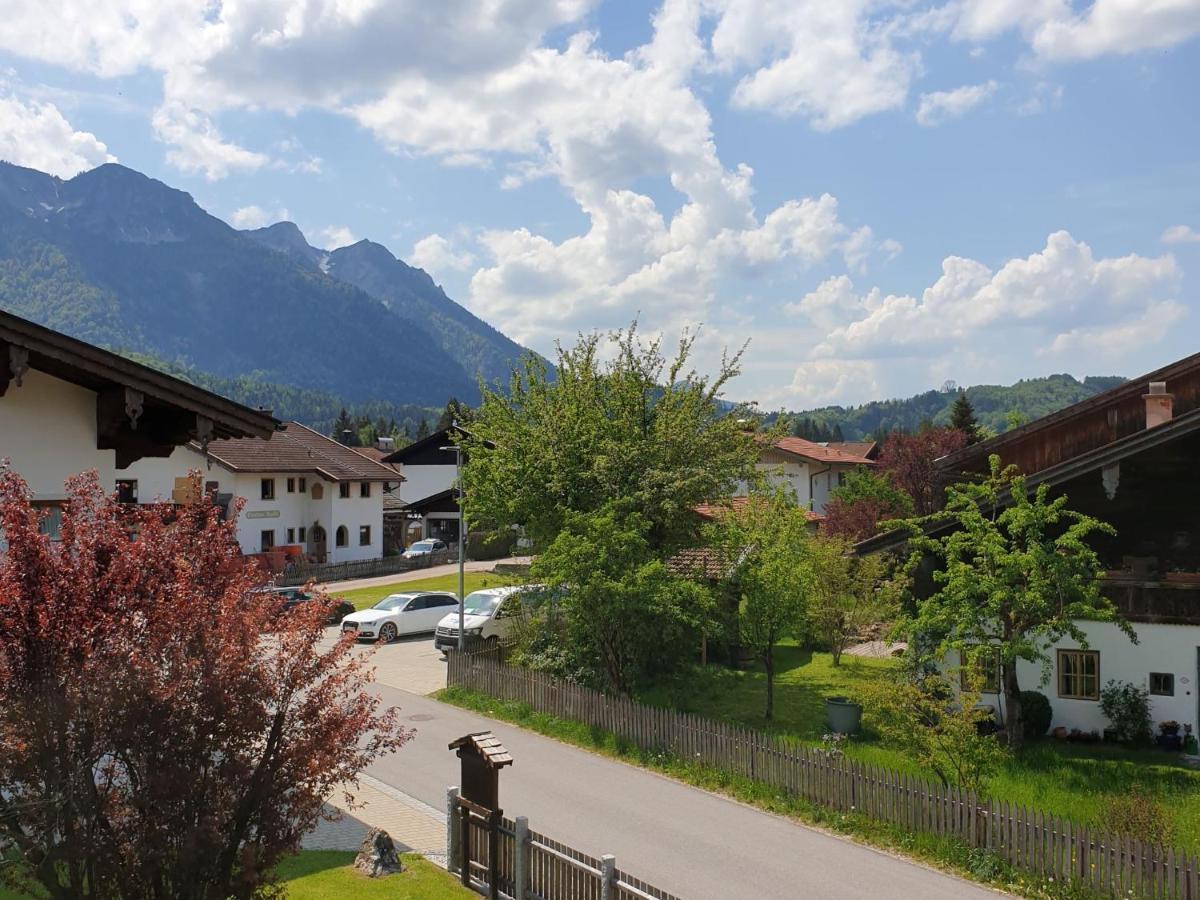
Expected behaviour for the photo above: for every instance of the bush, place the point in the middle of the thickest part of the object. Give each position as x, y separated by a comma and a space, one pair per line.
1138, 815
1035, 713
485, 545
1127, 707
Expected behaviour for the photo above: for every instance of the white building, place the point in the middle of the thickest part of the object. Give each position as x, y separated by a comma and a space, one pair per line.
811, 471
67, 407
428, 499
1129, 457
299, 488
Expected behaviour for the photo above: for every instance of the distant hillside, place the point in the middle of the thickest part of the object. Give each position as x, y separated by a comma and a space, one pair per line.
316, 409
1029, 398
122, 260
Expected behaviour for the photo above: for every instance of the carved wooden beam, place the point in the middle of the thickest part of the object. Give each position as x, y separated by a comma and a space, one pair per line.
14, 364
135, 428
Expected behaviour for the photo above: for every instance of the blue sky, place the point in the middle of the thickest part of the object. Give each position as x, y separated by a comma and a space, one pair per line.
878, 195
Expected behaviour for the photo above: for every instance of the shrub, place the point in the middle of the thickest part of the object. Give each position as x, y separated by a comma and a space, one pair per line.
486, 545
1138, 815
1035, 713
1127, 707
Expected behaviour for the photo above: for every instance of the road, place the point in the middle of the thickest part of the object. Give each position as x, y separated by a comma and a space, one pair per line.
695, 844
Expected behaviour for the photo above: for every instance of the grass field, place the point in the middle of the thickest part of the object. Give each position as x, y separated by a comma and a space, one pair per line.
1066, 779
327, 875
474, 581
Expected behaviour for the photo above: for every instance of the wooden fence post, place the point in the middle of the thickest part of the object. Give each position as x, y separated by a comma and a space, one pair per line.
608, 877
521, 853
452, 833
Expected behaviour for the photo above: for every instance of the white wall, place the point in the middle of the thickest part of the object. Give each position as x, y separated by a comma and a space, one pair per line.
1160, 648
424, 481
48, 432
810, 482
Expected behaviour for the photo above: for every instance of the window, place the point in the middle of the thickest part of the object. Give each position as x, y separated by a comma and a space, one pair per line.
1079, 674
341, 537
303, 485
268, 488
267, 539
344, 490
364, 489
989, 667
51, 523
1162, 684
364, 535
291, 485
841, 478
417, 603
303, 534
291, 533
444, 600
127, 490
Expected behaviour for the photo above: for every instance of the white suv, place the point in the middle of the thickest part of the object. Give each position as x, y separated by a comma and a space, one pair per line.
488, 615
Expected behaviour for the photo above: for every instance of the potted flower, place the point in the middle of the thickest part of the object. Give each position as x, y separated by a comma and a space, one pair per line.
1169, 738
1190, 745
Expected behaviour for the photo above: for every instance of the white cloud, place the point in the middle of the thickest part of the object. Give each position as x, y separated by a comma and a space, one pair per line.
197, 147
1047, 296
434, 253
1154, 323
333, 236
1181, 234
1044, 96
820, 382
942, 106
256, 217
36, 135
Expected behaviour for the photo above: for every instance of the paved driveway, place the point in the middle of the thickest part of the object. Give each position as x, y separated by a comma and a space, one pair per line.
681, 839
407, 664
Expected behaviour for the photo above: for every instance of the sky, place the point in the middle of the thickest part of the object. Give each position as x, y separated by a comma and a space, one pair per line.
878, 195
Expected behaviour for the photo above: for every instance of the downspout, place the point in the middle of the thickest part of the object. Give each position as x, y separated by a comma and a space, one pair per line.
812, 489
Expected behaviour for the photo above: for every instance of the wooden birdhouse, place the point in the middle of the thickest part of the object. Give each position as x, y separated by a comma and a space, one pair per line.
483, 756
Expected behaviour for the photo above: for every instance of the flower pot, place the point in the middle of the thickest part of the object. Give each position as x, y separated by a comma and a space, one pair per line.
1060, 733
843, 715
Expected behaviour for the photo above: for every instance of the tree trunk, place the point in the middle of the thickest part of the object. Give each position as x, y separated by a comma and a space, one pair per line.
1014, 720
769, 665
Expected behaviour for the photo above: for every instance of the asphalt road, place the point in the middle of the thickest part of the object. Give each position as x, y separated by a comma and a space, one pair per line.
697, 845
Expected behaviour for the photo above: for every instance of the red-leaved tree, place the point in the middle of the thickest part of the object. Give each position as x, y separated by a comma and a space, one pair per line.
164, 732
909, 459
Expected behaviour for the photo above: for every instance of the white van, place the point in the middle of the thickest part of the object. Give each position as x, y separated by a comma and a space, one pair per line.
488, 615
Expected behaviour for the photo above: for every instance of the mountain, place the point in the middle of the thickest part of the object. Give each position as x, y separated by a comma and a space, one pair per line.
994, 405
119, 259
408, 292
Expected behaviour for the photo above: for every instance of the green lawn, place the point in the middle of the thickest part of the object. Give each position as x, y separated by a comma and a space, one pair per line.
1066, 779
474, 581
327, 875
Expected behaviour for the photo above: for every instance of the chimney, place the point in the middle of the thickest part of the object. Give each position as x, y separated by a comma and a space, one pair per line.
1159, 404
385, 443
347, 437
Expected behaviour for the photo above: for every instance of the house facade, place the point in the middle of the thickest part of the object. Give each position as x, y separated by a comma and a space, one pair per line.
300, 489
428, 500
1128, 457
809, 470
67, 407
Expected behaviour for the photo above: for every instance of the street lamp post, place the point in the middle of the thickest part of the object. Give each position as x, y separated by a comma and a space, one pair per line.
462, 543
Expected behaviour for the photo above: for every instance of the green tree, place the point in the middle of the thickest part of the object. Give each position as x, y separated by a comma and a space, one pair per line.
622, 617
764, 548
640, 431
1017, 572
422, 429
455, 411
962, 417
848, 593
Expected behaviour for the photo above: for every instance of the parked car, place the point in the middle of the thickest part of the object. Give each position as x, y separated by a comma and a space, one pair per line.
293, 597
424, 548
488, 615
396, 614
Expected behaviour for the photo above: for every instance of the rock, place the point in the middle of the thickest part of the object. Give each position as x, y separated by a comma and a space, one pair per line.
378, 855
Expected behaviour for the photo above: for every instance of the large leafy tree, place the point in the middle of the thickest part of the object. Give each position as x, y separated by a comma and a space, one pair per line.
620, 616
865, 499
849, 594
762, 549
164, 731
638, 430
1016, 572
911, 461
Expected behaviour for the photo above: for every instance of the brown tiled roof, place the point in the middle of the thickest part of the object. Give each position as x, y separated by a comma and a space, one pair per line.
854, 448
712, 510
698, 562
819, 452
376, 455
297, 448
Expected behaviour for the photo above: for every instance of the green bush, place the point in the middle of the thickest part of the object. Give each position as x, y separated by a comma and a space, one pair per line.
1035, 713
1138, 815
1127, 707
482, 545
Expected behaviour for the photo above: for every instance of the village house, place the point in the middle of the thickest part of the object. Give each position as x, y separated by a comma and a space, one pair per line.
301, 490
426, 503
809, 470
68, 407
1128, 457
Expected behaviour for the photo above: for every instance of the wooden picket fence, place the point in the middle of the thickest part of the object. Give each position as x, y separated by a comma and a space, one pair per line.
1042, 844
362, 568
532, 866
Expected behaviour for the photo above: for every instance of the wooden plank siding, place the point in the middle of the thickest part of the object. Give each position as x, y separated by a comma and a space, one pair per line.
1045, 845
